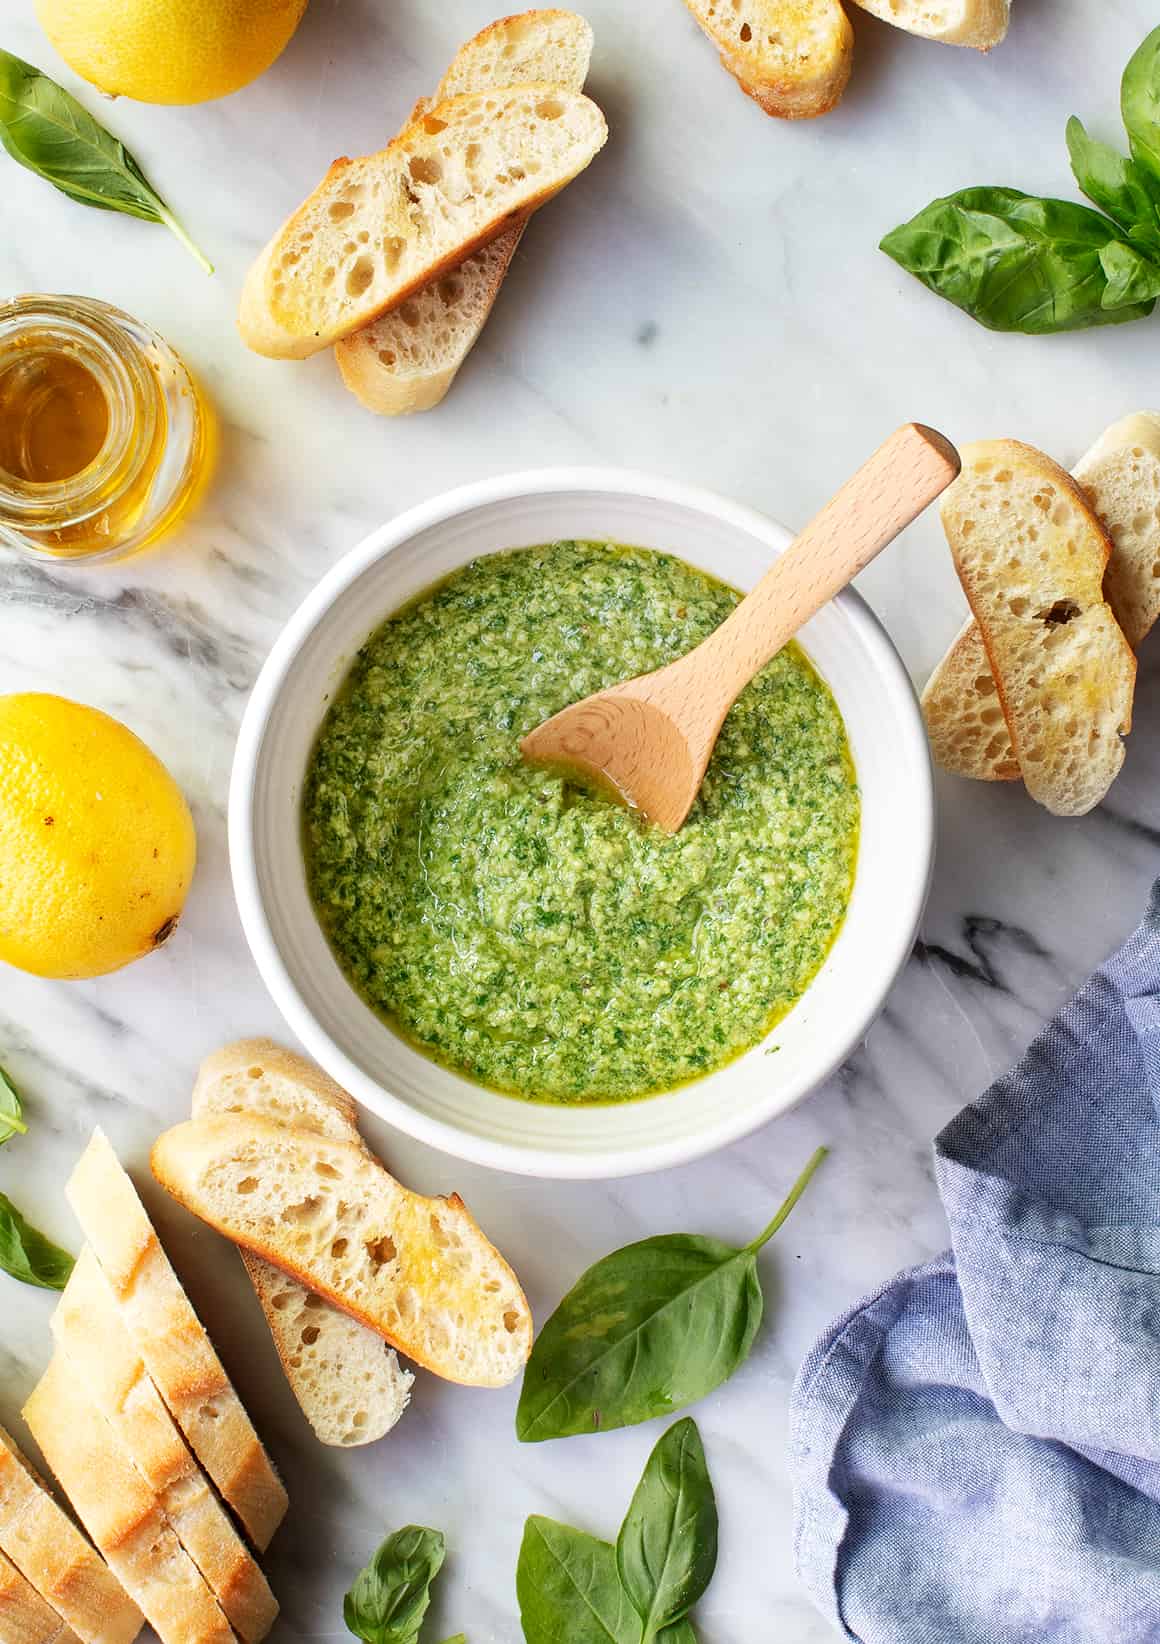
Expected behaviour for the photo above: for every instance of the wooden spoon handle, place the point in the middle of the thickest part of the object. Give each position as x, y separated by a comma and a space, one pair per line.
902, 478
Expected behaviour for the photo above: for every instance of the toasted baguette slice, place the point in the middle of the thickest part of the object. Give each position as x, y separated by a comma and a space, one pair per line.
1031, 553
407, 360
1120, 477
791, 56
348, 1382
121, 1512
25, 1617
978, 23
89, 1331
417, 1270
53, 1556
177, 1352
965, 723
378, 228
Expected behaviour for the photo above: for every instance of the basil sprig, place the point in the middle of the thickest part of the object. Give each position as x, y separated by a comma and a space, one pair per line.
575, 1589
27, 1255
646, 1331
1016, 262
389, 1598
11, 1114
45, 129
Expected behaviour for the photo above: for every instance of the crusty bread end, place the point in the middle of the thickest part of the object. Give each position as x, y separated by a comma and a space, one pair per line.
978, 23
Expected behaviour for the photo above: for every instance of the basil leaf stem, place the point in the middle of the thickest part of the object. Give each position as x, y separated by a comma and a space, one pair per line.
11, 1113
390, 1596
646, 1331
47, 131
667, 1548
26, 1254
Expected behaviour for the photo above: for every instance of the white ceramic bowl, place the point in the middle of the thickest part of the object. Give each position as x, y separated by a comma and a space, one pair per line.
851, 651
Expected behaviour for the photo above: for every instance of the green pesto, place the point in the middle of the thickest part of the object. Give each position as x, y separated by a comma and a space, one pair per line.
538, 938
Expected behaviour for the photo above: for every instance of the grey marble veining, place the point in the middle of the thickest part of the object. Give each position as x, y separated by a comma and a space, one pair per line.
707, 301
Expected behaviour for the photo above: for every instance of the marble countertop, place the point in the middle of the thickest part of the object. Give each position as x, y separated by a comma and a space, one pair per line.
706, 302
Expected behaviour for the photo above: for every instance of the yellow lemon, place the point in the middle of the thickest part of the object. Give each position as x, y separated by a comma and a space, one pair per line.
97, 846
169, 51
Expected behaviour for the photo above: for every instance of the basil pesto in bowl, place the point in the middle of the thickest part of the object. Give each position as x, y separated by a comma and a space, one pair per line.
536, 936
495, 959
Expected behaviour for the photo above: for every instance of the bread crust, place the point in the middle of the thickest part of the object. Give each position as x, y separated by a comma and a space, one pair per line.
25, 1617
53, 1556
176, 1349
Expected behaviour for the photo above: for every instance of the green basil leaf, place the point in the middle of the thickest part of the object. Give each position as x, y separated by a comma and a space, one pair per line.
46, 130
460, 1638
667, 1548
27, 1255
389, 1598
11, 1113
650, 1329
568, 1588
1132, 277
1140, 105
682, 1633
646, 1331
1117, 185
1012, 261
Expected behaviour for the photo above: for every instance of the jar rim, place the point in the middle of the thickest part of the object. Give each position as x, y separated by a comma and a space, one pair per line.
90, 330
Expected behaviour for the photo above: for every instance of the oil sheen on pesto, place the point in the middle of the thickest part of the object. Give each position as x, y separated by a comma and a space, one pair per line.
533, 936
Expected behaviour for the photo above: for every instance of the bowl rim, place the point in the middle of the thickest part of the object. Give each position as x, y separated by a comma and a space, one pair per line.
728, 1127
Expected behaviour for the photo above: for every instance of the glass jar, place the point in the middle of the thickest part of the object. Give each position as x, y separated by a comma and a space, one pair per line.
103, 435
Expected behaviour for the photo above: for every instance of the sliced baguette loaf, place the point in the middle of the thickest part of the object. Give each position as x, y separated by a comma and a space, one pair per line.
379, 228
53, 1556
793, 57
1120, 477
407, 360
177, 1352
978, 23
1031, 554
90, 1333
348, 1382
121, 1512
25, 1617
417, 1270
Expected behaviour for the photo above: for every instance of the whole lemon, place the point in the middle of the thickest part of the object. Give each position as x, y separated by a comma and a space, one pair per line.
97, 846
169, 51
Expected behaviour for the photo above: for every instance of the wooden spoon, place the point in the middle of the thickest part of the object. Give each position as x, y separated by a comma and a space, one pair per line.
650, 738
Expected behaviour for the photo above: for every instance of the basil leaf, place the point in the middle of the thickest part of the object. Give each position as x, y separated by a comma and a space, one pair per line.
27, 1255
460, 1638
389, 1598
568, 1588
11, 1113
667, 1548
1132, 278
1012, 261
1117, 185
646, 1331
1140, 105
47, 131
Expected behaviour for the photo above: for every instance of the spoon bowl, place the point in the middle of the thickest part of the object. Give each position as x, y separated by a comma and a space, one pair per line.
649, 740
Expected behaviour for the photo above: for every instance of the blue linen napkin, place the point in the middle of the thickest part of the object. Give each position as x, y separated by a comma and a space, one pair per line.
976, 1448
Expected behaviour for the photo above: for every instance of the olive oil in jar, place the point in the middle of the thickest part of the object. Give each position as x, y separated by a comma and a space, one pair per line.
102, 433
